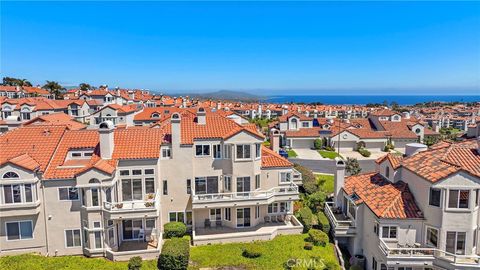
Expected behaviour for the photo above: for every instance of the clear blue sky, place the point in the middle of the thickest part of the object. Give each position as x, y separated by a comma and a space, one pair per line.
260, 47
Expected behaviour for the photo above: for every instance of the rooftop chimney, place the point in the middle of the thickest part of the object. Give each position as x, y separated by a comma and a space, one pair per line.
107, 143
339, 180
176, 129
275, 140
201, 116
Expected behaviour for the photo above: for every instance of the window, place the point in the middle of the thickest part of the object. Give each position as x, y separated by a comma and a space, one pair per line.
95, 201
12, 193
136, 172
285, 177
458, 198
19, 230
374, 264
217, 151
389, 232
177, 216
188, 218
166, 153
435, 195
216, 214
432, 237
72, 238
25, 115
383, 267
124, 172
477, 191
206, 185
281, 207
68, 194
9, 175
456, 242
257, 181
149, 171
243, 151
305, 124
257, 211
227, 183
258, 150
405, 268
228, 214
96, 224
475, 237
375, 229
149, 185
165, 187
227, 151
202, 150
387, 172
98, 240
189, 186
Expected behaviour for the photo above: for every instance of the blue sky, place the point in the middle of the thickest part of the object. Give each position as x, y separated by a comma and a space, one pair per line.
259, 47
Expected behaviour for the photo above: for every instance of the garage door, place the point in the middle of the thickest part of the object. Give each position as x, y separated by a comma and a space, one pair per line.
346, 145
375, 146
305, 143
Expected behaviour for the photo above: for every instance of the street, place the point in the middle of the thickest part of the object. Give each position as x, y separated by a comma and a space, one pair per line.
328, 166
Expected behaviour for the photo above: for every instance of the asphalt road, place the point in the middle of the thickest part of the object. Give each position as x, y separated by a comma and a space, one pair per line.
328, 166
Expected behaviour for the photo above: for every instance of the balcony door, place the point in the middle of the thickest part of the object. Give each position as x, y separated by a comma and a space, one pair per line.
243, 217
132, 189
131, 228
243, 185
456, 242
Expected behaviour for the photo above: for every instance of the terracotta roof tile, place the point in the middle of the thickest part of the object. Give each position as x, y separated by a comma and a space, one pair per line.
270, 159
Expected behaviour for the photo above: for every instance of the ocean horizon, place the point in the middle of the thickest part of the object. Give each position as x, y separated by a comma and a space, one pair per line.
365, 99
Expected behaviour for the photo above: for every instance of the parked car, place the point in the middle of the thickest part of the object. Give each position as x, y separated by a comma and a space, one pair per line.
283, 153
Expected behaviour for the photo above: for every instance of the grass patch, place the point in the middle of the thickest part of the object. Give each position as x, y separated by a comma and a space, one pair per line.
325, 182
37, 262
328, 154
292, 153
274, 253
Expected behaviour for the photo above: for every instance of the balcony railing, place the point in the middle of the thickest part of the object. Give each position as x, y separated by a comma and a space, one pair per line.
133, 205
297, 176
266, 194
427, 252
338, 220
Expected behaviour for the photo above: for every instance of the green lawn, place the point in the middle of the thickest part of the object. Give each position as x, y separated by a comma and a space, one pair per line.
37, 262
328, 154
291, 153
325, 182
275, 253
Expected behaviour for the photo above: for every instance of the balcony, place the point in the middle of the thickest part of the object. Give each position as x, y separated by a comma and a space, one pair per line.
20, 209
133, 209
284, 193
297, 177
148, 250
342, 225
416, 254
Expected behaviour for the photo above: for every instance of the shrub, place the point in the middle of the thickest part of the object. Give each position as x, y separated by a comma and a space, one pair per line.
316, 200
329, 148
323, 222
306, 217
317, 237
352, 166
364, 152
174, 229
318, 143
356, 267
308, 246
135, 263
175, 254
252, 251
308, 179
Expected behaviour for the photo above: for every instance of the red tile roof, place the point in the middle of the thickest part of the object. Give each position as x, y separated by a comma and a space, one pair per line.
384, 198
270, 159
395, 160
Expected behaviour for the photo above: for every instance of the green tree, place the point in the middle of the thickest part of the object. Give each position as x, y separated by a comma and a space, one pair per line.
318, 143
394, 106
54, 88
308, 179
352, 166
85, 86
9, 81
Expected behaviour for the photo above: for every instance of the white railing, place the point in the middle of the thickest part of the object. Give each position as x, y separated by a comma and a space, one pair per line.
337, 223
426, 252
150, 202
297, 176
286, 190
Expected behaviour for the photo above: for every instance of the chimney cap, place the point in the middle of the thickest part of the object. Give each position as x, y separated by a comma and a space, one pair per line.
274, 131
339, 162
106, 125
175, 116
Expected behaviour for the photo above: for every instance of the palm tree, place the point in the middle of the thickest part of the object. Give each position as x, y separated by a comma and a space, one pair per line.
54, 88
85, 86
9, 81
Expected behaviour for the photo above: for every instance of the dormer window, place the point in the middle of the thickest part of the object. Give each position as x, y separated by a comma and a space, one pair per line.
10, 175
80, 154
155, 115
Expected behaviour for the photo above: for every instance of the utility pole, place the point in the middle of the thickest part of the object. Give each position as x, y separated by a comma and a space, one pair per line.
338, 147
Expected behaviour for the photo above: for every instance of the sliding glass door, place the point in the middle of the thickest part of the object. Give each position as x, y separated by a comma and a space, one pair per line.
132, 189
131, 228
243, 186
243, 217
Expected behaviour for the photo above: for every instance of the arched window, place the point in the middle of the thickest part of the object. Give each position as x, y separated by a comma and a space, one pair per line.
387, 172
294, 123
10, 175
155, 115
94, 181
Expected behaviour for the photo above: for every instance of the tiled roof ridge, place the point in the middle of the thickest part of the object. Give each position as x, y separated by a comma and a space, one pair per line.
55, 151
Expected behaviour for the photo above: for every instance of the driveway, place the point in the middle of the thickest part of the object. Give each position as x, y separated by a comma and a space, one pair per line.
328, 165
307, 153
354, 154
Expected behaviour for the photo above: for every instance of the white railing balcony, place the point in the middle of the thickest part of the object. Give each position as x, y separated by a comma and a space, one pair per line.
150, 202
396, 251
297, 177
290, 191
342, 224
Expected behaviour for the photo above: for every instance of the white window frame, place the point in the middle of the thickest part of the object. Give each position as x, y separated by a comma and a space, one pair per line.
166, 153
229, 177
457, 208
210, 214
68, 188
217, 151
389, 229
72, 230
257, 181
258, 151
227, 214
227, 151
244, 146
285, 173
427, 227
19, 230
203, 145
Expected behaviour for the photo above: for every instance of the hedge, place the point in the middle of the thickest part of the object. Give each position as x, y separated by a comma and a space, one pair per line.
317, 237
323, 222
175, 254
306, 217
174, 229
252, 251
364, 152
135, 263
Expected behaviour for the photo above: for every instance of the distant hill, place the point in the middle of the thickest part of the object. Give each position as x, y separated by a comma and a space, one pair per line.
224, 95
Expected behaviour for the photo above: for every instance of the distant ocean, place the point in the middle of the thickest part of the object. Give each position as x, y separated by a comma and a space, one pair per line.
361, 100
